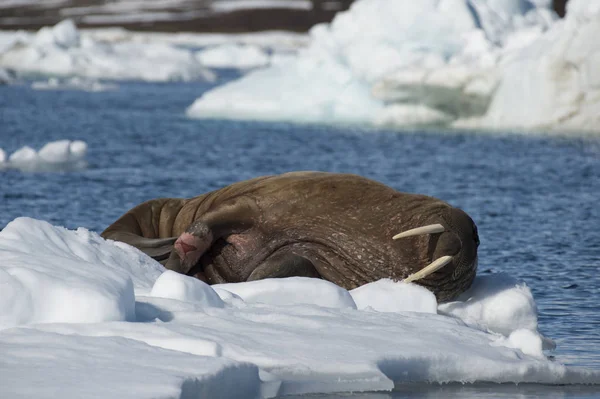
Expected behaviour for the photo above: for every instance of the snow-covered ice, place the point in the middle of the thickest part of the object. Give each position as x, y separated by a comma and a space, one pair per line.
62, 50
88, 318
463, 63
57, 155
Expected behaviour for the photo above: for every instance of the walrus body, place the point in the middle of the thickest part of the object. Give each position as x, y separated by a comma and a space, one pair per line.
337, 227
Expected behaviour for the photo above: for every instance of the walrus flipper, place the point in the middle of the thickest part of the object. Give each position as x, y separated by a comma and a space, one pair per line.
284, 265
157, 248
231, 217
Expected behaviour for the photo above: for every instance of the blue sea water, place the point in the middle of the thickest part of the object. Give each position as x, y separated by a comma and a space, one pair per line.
534, 198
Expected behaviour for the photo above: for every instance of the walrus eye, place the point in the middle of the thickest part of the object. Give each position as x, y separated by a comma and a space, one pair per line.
429, 229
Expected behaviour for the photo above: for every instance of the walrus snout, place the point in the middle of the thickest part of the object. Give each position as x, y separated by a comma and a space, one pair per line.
454, 256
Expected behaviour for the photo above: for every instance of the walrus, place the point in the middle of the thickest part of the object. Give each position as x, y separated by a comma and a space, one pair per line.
343, 228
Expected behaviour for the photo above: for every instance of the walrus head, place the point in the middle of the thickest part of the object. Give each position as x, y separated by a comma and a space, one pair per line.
454, 259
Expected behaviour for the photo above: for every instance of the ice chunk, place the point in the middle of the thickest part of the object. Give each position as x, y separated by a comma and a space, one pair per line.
57, 155
53, 269
184, 288
51, 274
393, 296
497, 303
291, 291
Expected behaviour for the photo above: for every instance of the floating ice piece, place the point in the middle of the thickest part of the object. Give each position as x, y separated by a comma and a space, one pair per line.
393, 296
78, 289
57, 155
55, 288
497, 303
63, 51
185, 288
74, 83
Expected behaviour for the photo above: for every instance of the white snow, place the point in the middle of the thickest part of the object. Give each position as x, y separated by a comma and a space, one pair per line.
57, 155
62, 50
434, 62
93, 318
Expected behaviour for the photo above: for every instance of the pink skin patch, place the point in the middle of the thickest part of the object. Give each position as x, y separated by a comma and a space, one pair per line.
189, 248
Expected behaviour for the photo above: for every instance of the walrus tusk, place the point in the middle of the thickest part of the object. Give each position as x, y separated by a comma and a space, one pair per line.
429, 269
429, 229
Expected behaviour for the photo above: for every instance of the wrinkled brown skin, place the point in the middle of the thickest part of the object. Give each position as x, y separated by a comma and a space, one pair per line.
338, 227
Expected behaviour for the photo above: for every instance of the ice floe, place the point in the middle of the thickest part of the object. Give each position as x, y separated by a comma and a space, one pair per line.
463, 63
96, 318
62, 50
73, 83
60, 155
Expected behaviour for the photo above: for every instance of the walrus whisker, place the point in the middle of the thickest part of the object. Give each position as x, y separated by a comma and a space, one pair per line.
429, 269
429, 229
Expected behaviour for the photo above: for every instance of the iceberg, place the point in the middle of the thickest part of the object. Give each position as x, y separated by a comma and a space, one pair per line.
383, 60
554, 83
494, 64
62, 50
91, 317
60, 155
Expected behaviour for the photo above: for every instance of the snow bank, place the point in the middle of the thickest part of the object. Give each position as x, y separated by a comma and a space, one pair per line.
60, 155
82, 305
63, 51
381, 53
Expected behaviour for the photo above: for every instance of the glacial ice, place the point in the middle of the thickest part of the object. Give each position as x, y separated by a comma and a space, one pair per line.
88, 317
